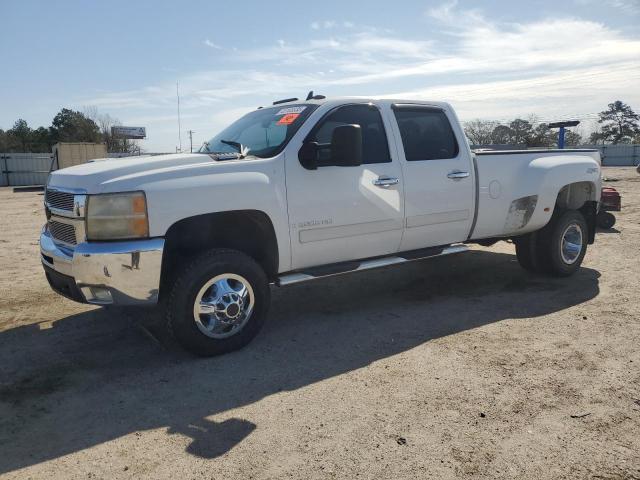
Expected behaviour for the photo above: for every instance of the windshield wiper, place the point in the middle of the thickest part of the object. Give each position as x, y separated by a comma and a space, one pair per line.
242, 149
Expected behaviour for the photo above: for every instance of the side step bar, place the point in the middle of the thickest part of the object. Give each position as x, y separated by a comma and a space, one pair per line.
315, 273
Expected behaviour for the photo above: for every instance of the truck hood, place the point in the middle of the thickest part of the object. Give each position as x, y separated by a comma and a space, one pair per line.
106, 174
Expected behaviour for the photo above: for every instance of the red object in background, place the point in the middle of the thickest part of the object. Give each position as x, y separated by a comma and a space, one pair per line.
610, 200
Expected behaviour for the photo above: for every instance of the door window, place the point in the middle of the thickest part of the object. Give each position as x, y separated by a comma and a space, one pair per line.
426, 133
375, 148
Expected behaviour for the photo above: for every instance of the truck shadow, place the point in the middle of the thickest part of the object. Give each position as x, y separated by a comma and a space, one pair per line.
94, 377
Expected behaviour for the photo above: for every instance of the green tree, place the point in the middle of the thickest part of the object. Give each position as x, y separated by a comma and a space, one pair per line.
572, 139
21, 132
542, 136
71, 126
619, 123
521, 132
4, 141
41, 140
501, 135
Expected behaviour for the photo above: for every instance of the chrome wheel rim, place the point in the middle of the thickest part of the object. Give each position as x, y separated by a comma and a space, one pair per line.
223, 305
571, 245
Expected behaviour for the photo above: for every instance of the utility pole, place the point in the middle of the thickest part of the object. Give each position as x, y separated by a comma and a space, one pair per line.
179, 126
191, 132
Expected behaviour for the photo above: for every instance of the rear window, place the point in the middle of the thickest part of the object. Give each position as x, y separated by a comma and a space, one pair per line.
426, 133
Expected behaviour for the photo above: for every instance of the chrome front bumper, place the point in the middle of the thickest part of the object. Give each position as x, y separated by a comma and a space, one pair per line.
104, 273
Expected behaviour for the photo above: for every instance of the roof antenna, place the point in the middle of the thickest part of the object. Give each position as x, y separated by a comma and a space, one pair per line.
310, 96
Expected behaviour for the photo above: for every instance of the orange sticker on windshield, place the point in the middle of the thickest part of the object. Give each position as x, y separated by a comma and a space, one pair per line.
288, 119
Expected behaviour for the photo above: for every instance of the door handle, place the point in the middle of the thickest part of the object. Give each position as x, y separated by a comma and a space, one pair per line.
385, 182
457, 175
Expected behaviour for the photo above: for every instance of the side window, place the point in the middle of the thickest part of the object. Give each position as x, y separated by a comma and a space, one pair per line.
375, 148
426, 133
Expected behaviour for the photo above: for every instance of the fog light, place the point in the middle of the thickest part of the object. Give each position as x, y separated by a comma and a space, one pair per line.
97, 295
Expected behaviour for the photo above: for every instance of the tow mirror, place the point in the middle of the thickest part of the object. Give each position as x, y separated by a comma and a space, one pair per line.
308, 155
346, 146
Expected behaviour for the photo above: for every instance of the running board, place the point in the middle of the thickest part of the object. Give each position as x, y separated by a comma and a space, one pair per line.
315, 273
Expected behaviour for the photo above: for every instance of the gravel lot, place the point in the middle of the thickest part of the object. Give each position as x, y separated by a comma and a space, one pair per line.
459, 367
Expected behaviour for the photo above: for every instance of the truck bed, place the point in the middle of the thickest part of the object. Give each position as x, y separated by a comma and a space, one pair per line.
508, 184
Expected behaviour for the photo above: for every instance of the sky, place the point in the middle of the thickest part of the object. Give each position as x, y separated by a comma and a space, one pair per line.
492, 60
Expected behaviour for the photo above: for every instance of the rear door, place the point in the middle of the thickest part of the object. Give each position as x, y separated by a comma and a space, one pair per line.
345, 213
438, 187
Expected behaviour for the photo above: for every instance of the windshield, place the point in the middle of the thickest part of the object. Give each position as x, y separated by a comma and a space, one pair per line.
262, 133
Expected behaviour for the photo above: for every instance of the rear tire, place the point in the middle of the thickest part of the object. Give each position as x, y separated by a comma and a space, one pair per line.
526, 251
606, 220
218, 302
562, 243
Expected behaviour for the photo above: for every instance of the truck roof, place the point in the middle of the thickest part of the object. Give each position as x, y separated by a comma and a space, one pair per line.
341, 100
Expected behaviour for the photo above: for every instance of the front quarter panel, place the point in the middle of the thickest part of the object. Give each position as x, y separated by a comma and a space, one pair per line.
222, 187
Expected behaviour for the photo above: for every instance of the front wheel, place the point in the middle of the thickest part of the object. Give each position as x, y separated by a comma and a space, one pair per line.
218, 302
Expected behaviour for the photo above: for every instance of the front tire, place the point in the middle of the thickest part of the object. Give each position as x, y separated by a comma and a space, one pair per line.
218, 302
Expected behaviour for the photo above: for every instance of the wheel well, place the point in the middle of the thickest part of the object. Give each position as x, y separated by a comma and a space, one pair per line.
580, 196
248, 231
575, 195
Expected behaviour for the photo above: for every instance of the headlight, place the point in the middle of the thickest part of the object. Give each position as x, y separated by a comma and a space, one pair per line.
117, 216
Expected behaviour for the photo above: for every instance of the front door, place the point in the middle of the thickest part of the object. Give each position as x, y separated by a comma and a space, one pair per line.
346, 213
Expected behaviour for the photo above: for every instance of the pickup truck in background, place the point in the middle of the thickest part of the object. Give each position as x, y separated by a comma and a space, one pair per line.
301, 190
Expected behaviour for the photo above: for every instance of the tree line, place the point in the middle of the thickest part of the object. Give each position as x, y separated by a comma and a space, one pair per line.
617, 124
67, 126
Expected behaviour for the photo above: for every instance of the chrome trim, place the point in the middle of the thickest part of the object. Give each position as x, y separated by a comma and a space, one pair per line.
224, 305
78, 226
571, 244
79, 202
129, 271
61, 257
457, 175
385, 181
298, 277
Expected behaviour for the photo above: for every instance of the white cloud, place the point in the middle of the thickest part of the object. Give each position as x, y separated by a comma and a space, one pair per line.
486, 68
631, 7
329, 24
483, 47
210, 44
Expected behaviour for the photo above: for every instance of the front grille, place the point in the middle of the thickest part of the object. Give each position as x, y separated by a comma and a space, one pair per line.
63, 231
59, 200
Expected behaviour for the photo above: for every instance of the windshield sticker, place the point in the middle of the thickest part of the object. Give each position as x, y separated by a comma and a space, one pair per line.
288, 119
286, 111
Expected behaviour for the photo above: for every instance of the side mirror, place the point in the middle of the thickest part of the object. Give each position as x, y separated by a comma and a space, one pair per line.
308, 155
346, 146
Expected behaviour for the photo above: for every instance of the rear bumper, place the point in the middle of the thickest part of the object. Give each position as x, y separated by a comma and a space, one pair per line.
104, 273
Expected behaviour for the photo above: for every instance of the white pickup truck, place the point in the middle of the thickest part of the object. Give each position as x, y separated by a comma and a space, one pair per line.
298, 191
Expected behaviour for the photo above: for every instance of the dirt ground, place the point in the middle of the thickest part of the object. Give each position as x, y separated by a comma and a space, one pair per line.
459, 367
